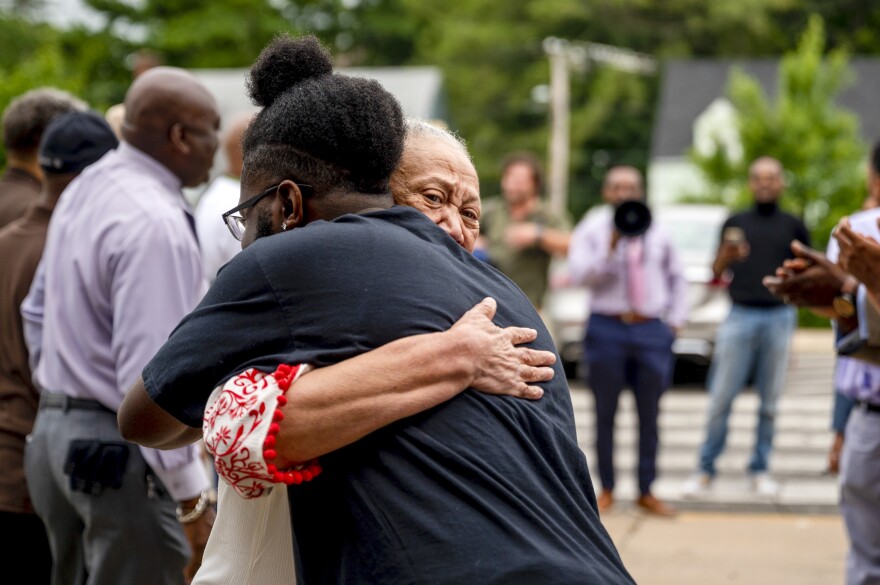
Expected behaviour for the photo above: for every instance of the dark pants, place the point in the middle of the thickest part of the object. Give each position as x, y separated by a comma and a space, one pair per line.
637, 355
124, 535
24, 537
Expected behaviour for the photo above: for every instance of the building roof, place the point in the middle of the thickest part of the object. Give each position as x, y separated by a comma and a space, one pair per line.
689, 86
418, 89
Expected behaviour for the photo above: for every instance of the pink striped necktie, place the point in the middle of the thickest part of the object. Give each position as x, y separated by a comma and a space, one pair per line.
635, 274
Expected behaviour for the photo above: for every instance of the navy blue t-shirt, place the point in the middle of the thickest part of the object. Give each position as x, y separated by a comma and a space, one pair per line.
481, 489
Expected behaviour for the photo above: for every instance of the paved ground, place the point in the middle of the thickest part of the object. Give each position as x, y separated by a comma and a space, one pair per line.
709, 548
732, 536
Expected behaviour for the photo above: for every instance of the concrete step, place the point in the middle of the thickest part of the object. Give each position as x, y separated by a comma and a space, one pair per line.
801, 444
791, 442
734, 494
738, 421
681, 465
696, 401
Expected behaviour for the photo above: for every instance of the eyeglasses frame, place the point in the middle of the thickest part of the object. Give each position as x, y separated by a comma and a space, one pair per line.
305, 189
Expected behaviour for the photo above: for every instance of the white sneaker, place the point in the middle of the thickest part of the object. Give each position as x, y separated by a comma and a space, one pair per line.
696, 486
764, 485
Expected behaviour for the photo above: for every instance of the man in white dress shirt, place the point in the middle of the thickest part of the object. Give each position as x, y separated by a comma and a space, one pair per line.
217, 244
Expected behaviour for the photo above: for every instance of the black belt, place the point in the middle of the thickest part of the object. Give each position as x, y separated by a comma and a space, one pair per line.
867, 406
65, 402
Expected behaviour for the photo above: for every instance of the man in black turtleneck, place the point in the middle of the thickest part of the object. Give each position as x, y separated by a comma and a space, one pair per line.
754, 340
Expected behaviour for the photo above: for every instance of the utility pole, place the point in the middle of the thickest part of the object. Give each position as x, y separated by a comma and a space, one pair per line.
560, 108
563, 56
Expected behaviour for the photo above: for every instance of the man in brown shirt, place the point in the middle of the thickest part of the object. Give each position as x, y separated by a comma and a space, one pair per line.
71, 142
23, 123
519, 231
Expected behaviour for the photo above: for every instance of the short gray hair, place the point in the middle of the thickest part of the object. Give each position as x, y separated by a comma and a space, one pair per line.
28, 115
418, 128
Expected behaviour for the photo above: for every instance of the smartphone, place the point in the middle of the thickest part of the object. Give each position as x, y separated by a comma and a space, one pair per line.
733, 235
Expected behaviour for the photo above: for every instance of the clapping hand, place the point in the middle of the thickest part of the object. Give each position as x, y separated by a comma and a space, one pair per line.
859, 255
808, 280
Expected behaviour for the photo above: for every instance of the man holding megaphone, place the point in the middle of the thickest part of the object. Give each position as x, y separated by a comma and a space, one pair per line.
638, 299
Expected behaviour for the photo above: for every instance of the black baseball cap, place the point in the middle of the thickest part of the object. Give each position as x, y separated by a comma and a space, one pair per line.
74, 140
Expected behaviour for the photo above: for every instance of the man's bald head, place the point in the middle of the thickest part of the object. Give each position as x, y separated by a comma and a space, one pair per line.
766, 179
766, 164
172, 117
622, 183
232, 143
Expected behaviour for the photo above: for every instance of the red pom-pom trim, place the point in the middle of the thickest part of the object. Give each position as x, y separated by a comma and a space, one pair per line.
284, 376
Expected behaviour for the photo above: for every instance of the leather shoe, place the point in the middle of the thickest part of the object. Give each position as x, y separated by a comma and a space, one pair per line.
655, 507
605, 500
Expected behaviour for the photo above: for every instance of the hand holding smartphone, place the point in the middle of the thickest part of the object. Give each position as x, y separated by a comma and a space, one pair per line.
734, 235
734, 246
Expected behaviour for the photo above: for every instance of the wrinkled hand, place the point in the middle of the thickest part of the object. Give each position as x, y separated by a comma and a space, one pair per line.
810, 280
521, 235
197, 533
859, 255
499, 366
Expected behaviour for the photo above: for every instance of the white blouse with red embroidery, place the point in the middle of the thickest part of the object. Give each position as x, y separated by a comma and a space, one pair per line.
240, 426
251, 542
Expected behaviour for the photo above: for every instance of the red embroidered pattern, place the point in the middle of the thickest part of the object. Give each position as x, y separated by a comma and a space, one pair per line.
240, 427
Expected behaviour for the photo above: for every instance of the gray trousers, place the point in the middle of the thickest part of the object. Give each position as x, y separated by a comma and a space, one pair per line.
860, 496
121, 536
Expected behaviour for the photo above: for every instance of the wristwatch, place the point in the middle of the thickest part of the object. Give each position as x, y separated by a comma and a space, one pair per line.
844, 303
539, 234
207, 498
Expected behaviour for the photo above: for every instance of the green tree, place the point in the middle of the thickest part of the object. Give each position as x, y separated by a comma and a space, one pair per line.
817, 141
490, 54
198, 33
492, 59
852, 24
90, 64
35, 59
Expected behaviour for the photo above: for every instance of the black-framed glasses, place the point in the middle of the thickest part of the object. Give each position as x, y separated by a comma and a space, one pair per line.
235, 222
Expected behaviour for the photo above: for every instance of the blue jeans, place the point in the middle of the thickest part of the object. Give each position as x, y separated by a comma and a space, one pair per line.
751, 340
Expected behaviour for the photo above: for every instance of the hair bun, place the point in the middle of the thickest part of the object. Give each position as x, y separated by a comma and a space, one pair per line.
284, 63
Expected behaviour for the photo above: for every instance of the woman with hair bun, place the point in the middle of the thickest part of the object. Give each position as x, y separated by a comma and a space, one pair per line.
437, 177
475, 489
